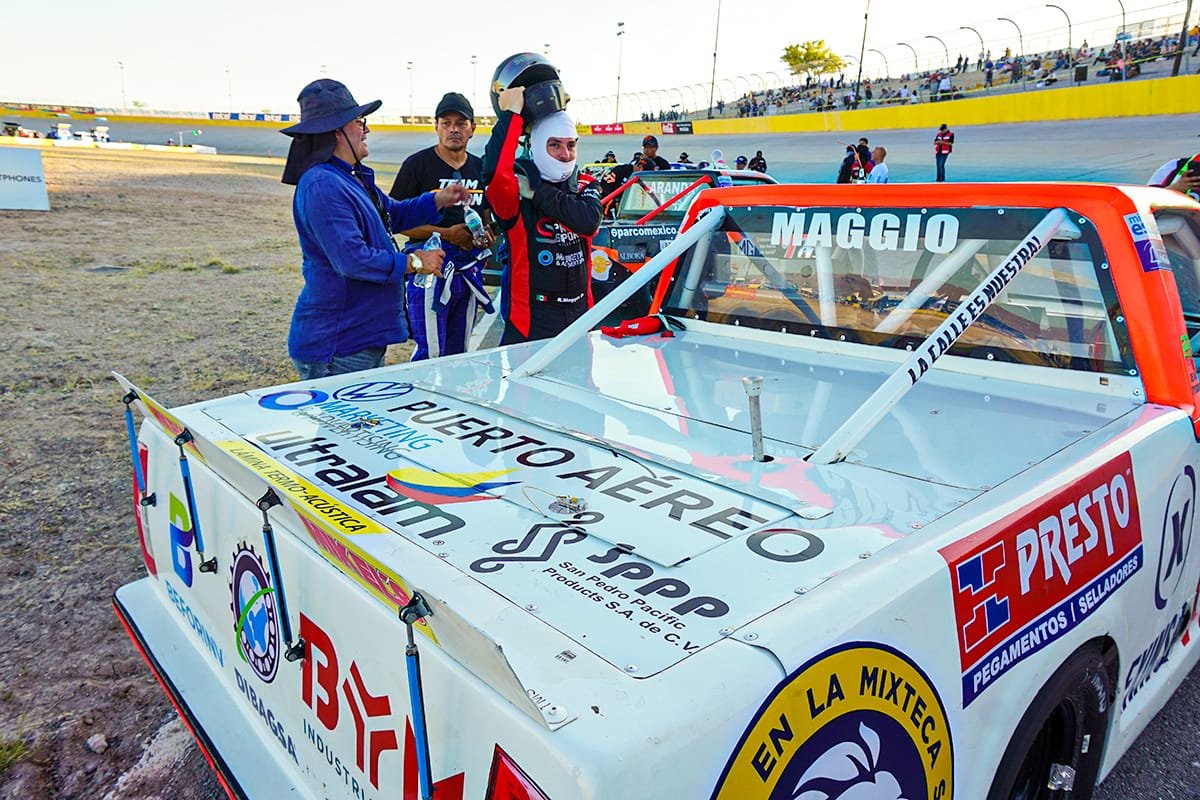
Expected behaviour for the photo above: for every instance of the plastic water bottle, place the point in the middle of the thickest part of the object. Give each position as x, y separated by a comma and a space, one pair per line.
426, 280
475, 226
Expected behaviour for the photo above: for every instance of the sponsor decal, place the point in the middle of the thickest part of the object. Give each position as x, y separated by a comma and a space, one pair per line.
267, 716
373, 391
1152, 253
335, 694
179, 524
255, 616
545, 258
671, 128
644, 231
602, 264
626, 587
193, 622
440, 488
1027, 580
861, 720
936, 233
1175, 541
308, 499
1155, 656
291, 399
612, 127
513, 551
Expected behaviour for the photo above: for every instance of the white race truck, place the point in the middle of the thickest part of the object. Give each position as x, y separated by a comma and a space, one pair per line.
897, 501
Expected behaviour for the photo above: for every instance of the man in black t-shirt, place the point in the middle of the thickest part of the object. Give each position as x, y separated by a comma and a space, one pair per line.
441, 316
650, 158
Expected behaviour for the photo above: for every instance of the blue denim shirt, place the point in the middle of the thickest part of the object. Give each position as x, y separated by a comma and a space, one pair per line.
353, 295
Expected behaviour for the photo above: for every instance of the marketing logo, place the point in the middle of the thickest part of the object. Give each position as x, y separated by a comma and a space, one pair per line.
442, 488
368, 392
255, 617
1026, 580
858, 721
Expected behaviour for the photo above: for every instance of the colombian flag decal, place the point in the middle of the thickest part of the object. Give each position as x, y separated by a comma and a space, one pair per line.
440, 488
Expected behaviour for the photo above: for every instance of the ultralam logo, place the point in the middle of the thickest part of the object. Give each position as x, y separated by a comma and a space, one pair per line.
255, 615
858, 721
1025, 581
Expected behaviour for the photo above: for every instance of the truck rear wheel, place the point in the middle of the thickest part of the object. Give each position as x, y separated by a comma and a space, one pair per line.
1065, 726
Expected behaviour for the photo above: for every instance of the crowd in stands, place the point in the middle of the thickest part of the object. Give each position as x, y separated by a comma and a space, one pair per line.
955, 82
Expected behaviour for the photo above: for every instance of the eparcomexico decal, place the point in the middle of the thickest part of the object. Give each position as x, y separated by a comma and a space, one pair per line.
308, 499
859, 720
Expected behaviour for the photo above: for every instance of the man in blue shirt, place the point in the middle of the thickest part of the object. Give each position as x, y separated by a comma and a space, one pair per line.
352, 304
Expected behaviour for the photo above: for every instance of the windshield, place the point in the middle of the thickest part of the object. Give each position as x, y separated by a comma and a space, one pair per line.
889, 277
655, 188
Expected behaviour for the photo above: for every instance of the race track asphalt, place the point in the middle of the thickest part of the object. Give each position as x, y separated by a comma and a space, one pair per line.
1125, 150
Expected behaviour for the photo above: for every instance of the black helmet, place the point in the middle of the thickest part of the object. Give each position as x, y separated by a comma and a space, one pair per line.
544, 93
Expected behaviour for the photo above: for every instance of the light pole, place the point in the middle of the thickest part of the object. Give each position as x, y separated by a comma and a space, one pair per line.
546, 49
712, 84
410, 102
861, 51
887, 70
1124, 41
121, 66
229, 90
475, 78
1070, 49
760, 80
620, 52
944, 48
916, 66
1021, 45
778, 80
982, 47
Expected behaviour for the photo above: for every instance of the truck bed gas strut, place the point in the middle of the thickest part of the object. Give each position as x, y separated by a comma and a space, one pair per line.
411, 613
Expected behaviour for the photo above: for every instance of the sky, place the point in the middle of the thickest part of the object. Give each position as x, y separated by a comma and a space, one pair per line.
230, 55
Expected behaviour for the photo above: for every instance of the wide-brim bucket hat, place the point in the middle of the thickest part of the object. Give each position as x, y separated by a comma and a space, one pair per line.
326, 105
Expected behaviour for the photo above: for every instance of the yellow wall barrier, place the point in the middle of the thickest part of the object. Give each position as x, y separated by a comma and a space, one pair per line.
1098, 101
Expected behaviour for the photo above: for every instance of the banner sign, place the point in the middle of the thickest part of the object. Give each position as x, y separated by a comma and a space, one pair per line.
612, 127
669, 128
22, 181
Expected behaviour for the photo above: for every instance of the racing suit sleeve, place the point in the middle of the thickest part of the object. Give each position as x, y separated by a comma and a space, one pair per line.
412, 212
502, 193
580, 213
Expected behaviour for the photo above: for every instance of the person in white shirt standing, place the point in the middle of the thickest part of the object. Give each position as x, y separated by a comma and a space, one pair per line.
879, 174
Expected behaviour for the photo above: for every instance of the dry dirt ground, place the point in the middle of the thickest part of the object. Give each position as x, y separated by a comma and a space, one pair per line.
180, 272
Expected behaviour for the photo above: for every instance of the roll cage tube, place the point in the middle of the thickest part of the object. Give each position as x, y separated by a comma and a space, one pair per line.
663, 206
895, 386
708, 221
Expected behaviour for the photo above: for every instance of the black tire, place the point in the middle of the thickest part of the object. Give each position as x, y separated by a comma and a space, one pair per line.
1069, 714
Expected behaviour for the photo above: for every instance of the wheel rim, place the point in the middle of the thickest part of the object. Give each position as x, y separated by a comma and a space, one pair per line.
1054, 743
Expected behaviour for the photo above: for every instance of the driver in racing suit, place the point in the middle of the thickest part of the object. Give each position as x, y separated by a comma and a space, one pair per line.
549, 219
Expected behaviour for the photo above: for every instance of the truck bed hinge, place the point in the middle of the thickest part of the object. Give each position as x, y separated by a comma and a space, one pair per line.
185, 437
412, 612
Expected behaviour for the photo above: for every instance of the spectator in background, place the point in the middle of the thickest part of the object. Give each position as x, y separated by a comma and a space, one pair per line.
683, 158
851, 170
879, 174
609, 158
739, 162
864, 155
758, 163
943, 143
650, 159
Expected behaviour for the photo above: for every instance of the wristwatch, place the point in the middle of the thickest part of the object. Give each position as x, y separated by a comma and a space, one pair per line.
414, 263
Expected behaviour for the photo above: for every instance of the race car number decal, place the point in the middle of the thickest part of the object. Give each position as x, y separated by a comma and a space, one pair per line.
1023, 582
860, 720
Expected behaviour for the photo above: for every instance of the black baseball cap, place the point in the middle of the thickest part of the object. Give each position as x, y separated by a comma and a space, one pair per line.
453, 102
650, 141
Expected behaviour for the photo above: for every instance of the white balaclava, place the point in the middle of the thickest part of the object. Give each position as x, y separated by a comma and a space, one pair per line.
718, 157
558, 125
